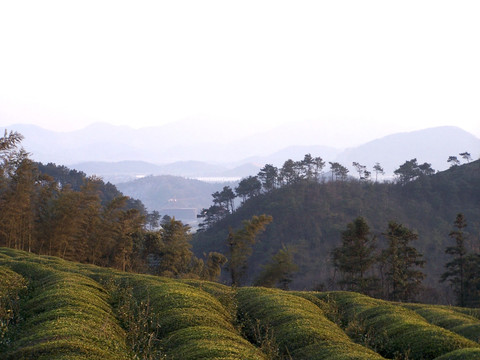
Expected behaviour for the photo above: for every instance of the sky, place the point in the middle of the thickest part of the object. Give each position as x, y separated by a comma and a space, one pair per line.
376, 66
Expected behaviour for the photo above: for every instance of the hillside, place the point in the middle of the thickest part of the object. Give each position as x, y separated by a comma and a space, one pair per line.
55, 309
166, 192
310, 216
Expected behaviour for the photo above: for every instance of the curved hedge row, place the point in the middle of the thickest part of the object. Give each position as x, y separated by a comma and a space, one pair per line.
396, 330
448, 318
66, 316
11, 284
299, 327
192, 323
462, 354
74, 311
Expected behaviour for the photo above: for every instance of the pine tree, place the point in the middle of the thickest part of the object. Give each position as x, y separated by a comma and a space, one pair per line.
248, 188
402, 262
268, 176
378, 170
355, 257
472, 280
456, 269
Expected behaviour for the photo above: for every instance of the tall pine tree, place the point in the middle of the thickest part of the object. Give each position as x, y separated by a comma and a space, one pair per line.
355, 257
463, 271
403, 263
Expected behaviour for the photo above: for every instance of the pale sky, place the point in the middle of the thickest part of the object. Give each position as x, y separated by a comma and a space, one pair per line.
385, 65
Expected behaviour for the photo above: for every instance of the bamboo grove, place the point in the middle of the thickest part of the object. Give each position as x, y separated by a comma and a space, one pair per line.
82, 219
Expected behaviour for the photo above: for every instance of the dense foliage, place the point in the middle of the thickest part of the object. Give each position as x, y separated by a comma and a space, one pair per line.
309, 213
52, 210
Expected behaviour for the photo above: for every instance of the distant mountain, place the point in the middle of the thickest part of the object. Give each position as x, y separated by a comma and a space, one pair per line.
124, 171
200, 149
180, 141
96, 142
432, 145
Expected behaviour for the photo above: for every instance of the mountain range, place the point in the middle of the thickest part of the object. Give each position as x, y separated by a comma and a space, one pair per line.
121, 153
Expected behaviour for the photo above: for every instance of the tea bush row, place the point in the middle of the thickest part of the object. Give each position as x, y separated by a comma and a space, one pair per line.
395, 330
65, 316
192, 324
448, 318
11, 284
462, 354
65, 310
296, 326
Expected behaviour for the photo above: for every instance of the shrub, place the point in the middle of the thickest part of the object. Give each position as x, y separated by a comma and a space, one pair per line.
397, 331
462, 354
11, 284
299, 327
448, 318
192, 323
64, 310
65, 316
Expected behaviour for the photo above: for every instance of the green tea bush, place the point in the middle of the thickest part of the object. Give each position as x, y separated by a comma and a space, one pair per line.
65, 316
136, 317
462, 354
63, 310
12, 253
299, 327
471, 312
224, 294
329, 308
448, 318
395, 330
192, 323
206, 342
11, 285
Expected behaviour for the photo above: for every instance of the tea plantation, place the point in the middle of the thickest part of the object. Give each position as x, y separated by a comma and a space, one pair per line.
54, 309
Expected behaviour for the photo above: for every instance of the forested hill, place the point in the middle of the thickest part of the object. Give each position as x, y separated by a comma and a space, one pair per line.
76, 179
310, 216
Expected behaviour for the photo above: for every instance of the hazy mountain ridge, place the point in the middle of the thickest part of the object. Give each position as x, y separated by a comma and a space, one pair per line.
433, 145
180, 149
